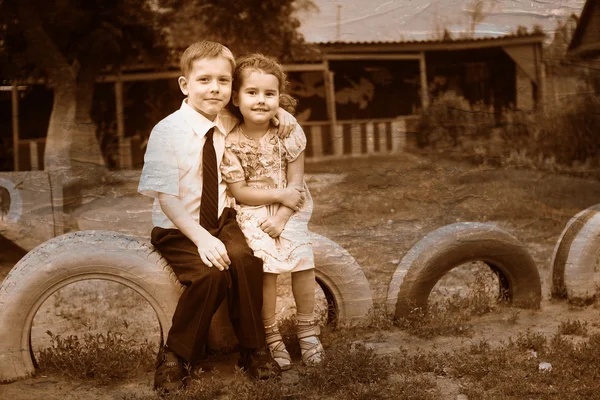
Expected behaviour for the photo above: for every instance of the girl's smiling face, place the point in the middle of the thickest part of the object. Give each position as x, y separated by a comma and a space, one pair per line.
258, 97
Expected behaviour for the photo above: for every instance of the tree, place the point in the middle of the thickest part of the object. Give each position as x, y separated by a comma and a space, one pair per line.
266, 26
70, 42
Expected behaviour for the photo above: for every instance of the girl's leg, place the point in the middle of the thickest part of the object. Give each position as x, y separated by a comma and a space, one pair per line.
272, 336
303, 287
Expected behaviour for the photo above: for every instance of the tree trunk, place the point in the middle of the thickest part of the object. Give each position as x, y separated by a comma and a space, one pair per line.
71, 146
85, 153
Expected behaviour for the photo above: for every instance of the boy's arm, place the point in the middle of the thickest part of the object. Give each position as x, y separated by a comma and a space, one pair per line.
211, 250
285, 123
295, 177
291, 197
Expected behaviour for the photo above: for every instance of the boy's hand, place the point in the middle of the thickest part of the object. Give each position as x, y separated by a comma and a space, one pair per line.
285, 123
272, 226
293, 198
213, 253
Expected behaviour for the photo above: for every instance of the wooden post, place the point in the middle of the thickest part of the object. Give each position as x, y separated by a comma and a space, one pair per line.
338, 140
124, 149
355, 138
328, 77
33, 155
14, 100
381, 128
317, 140
424, 86
398, 135
370, 131
540, 75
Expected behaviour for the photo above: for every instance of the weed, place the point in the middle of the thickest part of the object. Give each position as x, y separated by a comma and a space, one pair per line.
288, 329
105, 358
378, 318
514, 316
532, 341
200, 389
575, 327
270, 389
346, 364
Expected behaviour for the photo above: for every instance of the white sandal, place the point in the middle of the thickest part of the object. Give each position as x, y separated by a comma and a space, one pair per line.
277, 347
310, 346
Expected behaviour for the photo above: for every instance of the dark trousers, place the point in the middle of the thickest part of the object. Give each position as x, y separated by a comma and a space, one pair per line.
206, 287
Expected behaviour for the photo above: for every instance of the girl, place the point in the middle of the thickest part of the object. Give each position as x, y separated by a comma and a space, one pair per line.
261, 171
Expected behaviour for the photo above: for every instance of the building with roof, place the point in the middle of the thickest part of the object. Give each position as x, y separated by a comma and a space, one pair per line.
374, 78
586, 39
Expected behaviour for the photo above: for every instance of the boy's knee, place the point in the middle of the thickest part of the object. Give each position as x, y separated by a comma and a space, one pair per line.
217, 277
239, 254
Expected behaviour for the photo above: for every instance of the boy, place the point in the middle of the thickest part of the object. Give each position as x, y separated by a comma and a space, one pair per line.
195, 228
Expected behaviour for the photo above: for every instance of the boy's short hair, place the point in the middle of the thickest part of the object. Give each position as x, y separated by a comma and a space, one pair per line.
204, 49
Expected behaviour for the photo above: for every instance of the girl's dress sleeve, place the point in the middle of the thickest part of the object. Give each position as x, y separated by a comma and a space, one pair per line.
295, 143
231, 167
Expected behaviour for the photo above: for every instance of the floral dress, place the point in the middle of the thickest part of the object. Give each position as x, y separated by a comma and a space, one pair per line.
262, 163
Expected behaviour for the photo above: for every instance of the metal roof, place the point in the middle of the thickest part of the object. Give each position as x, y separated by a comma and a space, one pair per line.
540, 36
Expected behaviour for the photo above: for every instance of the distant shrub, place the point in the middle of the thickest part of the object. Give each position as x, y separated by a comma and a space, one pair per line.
450, 119
562, 137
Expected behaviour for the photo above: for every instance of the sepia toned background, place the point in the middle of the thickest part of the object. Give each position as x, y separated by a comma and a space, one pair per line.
418, 114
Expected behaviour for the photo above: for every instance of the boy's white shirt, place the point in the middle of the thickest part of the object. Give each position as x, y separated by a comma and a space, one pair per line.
173, 160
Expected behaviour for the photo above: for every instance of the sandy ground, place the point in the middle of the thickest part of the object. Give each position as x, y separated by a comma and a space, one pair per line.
377, 209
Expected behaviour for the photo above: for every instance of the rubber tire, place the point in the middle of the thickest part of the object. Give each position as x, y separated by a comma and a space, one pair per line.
71, 258
344, 283
452, 245
576, 257
134, 263
570, 242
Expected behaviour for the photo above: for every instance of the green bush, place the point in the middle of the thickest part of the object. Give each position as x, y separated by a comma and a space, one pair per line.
450, 119
562, 137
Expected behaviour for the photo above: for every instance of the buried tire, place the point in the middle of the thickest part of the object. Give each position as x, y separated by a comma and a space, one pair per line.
134, 263
456, 244
576, 258
72, 258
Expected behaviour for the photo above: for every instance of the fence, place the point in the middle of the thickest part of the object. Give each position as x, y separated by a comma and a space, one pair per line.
347, 139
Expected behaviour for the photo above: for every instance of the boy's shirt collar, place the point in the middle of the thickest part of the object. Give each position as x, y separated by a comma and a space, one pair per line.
200, 124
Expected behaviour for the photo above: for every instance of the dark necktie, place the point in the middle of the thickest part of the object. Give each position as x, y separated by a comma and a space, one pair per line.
209, 204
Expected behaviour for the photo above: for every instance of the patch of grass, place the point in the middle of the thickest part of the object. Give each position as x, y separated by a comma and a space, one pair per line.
532, 341
437, 321
575, 327
354, 371
449, 315
103, 357
378, 319
201, 389
269, 389
511, 372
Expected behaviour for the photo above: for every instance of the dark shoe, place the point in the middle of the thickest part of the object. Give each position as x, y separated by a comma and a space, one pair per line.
170, 374
259, 364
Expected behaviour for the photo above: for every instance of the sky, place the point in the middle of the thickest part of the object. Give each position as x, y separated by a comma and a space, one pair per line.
393, 20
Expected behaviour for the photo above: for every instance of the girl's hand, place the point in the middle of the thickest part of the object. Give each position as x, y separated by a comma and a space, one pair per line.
285, 123
272, 226
293, 197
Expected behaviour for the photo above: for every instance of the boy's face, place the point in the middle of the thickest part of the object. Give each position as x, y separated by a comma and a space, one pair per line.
208, 85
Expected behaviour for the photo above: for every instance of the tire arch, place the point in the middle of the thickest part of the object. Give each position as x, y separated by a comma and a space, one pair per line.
572, 256
452, 245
